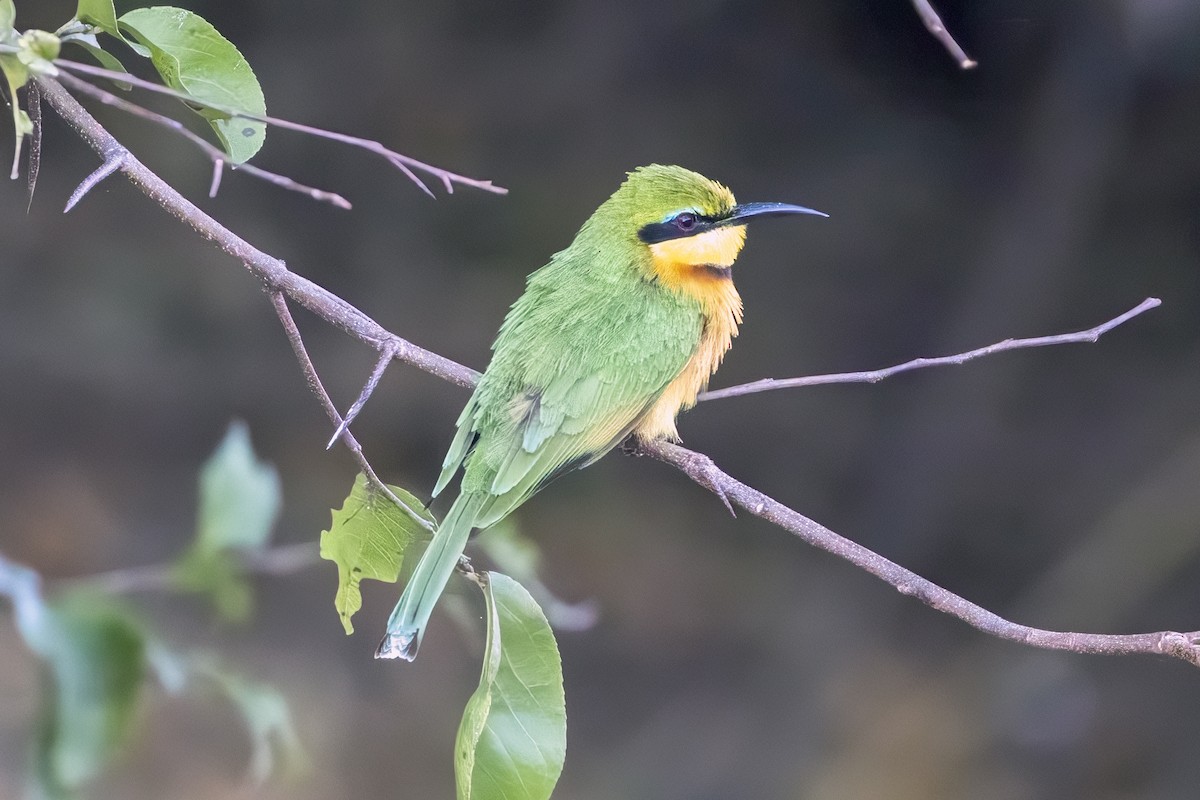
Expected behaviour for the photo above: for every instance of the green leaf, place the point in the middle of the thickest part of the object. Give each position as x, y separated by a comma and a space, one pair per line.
192, 57
101, 14
239, 503
96, 660
367, 539
239, 495
8, 17
513, 736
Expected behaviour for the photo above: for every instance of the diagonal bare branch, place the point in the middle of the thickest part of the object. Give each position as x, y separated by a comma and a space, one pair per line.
697, 466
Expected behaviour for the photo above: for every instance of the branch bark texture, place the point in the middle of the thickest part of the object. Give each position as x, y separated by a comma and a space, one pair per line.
277, 278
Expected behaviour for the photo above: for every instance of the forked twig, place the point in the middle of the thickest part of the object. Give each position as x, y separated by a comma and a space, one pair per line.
318, 389
406, 164
218, 157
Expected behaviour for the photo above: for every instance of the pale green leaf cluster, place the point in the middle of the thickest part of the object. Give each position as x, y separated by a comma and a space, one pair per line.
368, 538
94, 655
97, 655
239, 501
513, 736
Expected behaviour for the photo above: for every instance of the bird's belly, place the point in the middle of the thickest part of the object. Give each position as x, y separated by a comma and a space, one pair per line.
680, 394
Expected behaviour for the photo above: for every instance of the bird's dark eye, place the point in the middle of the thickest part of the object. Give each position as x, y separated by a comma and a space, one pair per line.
685, 221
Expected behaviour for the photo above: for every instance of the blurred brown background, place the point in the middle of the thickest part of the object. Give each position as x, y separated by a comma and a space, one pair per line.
1048, 190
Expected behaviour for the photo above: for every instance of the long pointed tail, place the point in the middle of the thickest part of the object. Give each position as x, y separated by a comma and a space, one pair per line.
406, 626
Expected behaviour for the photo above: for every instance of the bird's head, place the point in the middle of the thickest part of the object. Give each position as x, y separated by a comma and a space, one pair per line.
685, 219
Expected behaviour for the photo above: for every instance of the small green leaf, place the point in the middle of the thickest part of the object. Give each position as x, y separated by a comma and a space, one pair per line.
8, 17
192, 57
101, 14
513, 736
239, 503
96, 659
367, 539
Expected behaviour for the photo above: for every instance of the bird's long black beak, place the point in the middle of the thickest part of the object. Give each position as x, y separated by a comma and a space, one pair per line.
743, 212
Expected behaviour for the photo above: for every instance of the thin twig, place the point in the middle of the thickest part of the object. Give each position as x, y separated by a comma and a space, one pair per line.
406, 164
934, 24
219, 158
696, 466
281, 560
318, 389
874, 376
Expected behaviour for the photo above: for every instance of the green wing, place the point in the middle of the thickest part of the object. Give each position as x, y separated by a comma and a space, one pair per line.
576, 366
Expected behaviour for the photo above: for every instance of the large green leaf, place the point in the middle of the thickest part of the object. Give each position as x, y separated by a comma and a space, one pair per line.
96, 659
239, 502
193, 57
367, 539
513, 737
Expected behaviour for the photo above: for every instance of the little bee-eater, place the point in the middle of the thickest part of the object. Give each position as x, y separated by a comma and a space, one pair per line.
615, 336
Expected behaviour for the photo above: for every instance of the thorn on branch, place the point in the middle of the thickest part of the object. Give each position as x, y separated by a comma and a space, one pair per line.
933, 23
386, 354
33, 99
110, 165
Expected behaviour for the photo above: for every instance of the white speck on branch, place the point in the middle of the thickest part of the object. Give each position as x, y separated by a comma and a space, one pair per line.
700, 468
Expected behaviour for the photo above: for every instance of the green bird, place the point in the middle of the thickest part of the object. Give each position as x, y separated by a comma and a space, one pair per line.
615, 336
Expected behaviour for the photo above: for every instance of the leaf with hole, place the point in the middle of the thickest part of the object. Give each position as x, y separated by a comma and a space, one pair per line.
368, 538
192, 56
